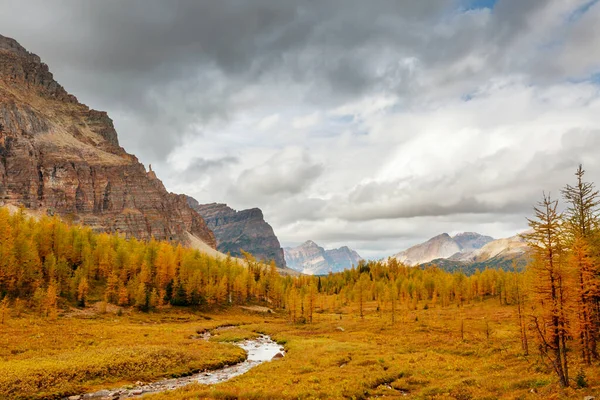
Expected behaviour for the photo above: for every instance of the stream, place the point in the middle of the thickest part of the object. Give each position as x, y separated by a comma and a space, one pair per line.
258, 350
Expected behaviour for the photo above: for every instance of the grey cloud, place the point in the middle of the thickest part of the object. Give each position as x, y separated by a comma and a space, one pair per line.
411, 208
286, 173
169, 72
201, 166
172, 65
169, 66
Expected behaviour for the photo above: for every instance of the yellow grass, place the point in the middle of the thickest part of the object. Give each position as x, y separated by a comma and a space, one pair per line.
421, 357
43, 359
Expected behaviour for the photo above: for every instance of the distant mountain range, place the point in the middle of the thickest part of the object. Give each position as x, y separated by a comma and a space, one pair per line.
467, 252
442, 246
310, 258
241, 230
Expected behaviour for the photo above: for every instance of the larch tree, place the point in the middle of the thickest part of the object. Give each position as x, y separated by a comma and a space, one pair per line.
82, 291
520, 299
361, 289
311, 300
3, 310
582, 227
392, 294
548, 266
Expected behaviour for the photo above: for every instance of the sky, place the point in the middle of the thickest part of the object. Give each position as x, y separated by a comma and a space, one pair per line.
373, 124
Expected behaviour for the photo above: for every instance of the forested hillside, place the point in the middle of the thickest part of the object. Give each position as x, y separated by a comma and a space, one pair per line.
44, 261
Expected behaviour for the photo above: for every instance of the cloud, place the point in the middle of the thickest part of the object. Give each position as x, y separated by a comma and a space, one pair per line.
372, 124
201, 166
289, 172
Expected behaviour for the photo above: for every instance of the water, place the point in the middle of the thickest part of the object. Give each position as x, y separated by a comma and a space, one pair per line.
259, 351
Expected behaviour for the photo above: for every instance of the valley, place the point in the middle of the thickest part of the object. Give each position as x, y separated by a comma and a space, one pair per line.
439, 352
269, 126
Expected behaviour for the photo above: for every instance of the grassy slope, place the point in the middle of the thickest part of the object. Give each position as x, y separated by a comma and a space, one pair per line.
422, 356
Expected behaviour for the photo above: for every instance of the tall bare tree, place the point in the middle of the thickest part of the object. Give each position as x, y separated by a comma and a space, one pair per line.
582, 227
547, 245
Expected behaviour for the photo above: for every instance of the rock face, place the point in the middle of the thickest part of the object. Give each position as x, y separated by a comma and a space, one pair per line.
502, 254
468, 241
474, 252
442, 246
241, 230
310, 258
504, 248
58, 155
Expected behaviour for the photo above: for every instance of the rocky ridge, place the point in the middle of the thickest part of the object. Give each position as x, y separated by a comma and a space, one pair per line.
440, 246
244, 230
310, 258
59, 156
467, 252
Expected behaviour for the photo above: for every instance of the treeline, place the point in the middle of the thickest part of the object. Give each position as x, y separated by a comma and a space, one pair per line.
45, 261
392, 287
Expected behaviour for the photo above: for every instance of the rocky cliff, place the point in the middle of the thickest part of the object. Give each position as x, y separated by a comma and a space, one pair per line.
241, 230
59, 156
310, 258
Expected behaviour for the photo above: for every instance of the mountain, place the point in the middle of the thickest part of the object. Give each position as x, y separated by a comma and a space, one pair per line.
441, 246
312, 259
475, 251
498, 254
241, 230
59, 156
468, 241
499, 248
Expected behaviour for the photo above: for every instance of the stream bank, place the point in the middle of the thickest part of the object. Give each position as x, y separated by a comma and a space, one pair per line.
258, 351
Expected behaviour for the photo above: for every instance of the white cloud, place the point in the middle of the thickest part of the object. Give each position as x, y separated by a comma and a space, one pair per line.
306, 121
268, 123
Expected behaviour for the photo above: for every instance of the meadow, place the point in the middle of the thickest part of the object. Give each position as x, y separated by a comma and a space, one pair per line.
467, 352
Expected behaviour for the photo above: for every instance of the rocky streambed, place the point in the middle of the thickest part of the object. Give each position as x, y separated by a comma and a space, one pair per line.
258, 350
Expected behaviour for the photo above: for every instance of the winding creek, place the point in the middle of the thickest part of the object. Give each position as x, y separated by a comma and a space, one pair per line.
258, 351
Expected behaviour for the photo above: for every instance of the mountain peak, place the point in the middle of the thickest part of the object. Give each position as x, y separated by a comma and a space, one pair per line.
62, 157
309, 243
11, 45
312, 259
469, 241
440, 246
241, 230
22, 69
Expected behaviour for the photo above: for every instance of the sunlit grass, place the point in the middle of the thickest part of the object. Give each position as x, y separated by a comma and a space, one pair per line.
45, 359
423, 356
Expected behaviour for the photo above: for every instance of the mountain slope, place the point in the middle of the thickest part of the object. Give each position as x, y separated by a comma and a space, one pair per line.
506, 247
468, 241
498, 254
442, 246
59, 156
241, 230
312, 259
